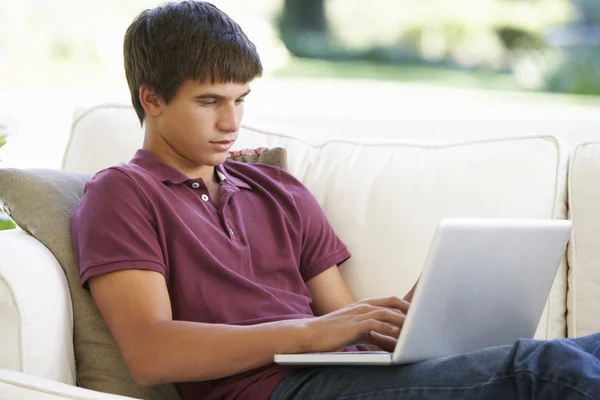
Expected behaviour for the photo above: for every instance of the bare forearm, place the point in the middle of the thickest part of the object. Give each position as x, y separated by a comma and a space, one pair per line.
177, 351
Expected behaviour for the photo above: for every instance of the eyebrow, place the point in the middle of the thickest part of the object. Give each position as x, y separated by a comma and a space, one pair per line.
218, 96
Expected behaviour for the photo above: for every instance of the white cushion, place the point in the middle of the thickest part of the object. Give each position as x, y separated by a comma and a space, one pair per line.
583, 299
385, 198
36, 334
109, 134
102, 136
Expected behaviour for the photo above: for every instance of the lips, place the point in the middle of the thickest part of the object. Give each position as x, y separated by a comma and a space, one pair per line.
222, 145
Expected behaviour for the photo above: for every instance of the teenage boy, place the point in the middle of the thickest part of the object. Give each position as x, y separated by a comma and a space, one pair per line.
203, 268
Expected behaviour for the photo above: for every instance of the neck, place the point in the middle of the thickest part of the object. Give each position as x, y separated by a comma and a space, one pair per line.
207, 173
156, 145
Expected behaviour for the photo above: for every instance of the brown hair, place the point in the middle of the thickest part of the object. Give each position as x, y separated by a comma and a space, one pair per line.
175, 42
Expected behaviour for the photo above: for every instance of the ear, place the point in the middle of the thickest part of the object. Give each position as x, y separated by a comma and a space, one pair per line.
150, 101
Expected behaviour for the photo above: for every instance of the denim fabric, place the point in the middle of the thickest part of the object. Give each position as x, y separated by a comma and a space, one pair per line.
561, 369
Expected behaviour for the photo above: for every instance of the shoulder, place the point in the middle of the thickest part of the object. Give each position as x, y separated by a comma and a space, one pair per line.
126, 174
263, 174
251, 167
115, 176
110, 180
114, 185
253, 173
111, 199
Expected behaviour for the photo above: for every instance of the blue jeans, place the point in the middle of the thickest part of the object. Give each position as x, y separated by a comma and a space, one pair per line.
561, 369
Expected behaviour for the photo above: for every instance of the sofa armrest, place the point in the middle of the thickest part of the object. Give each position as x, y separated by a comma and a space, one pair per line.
16, 385
583, 305
36, 333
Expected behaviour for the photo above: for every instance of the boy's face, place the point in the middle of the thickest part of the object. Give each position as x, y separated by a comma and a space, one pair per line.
201, 122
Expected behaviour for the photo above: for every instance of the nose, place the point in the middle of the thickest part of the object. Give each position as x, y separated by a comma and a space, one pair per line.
229, 118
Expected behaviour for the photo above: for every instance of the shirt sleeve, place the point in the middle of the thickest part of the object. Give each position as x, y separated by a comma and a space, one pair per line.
114, 228
321, 247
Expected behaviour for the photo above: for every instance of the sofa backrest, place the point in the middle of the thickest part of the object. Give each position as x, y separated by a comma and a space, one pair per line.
384, 198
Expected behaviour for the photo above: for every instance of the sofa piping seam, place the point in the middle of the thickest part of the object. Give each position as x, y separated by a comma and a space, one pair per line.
574, 267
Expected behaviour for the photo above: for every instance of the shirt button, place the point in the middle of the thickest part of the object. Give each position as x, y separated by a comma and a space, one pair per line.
195, 185
204, 197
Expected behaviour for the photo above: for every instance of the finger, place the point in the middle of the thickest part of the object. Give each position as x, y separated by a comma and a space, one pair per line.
386, 315
381, 327
368, 308
384, 342
388, 302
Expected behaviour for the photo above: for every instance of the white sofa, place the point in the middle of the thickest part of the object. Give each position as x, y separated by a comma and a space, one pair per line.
384, 198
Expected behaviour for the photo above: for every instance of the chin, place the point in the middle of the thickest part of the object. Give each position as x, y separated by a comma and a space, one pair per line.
215, 160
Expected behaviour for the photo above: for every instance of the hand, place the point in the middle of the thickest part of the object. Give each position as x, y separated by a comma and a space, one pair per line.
374, 322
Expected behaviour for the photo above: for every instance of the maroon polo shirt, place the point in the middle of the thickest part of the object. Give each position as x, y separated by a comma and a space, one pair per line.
244, 262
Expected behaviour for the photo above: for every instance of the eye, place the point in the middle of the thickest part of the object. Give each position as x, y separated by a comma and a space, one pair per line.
208, 103
239, 101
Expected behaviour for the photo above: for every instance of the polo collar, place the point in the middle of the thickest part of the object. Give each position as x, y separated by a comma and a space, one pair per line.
166, 173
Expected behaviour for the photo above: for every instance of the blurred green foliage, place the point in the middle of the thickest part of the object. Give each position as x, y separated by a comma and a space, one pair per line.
6, 223
505, 36
80, 42
578, 71
467, 32
408, 72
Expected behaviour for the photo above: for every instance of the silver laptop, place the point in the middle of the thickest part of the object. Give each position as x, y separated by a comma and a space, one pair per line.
484, 283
